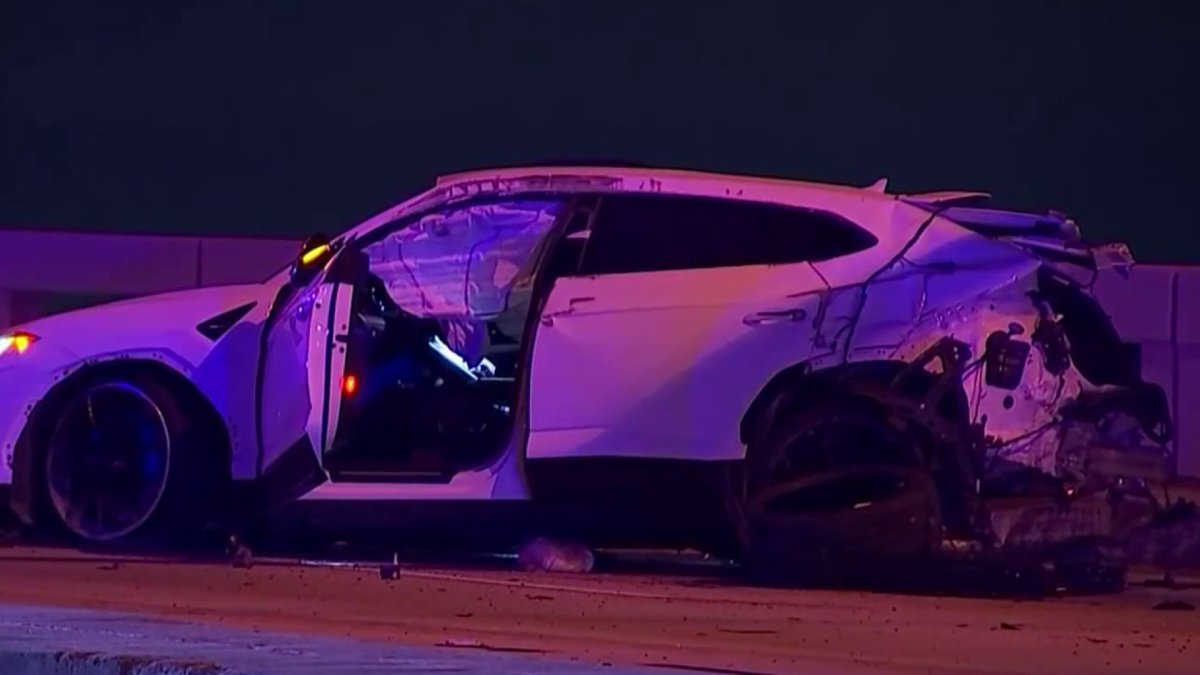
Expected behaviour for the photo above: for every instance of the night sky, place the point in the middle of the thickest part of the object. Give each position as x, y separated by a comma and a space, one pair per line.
285, 118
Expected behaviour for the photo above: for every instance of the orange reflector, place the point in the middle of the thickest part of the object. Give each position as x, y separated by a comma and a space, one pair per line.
349, 385
17, 342
313, 254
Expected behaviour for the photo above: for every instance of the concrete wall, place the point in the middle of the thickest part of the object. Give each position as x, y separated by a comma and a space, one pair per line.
54, 271
43, 271
1155, 306
6, 317
133, 264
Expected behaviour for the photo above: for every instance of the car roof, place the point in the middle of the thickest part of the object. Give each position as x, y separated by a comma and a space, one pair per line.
868, 206
635, 174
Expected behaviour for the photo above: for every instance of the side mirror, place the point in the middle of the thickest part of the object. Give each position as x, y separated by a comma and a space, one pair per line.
313, 255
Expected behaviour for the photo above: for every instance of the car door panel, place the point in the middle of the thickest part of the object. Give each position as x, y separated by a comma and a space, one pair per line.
664, 363
301, 375
286, 398
322, 428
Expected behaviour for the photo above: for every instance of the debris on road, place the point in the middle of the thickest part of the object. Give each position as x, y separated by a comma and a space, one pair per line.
390, 571
748, 631
243, 558
476, 644
545, 555
240, 555
1175, 606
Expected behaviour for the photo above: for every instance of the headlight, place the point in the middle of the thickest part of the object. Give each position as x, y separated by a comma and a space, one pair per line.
16, 343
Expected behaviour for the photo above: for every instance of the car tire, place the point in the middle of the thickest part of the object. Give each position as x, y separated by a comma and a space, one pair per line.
121, 463
840, 518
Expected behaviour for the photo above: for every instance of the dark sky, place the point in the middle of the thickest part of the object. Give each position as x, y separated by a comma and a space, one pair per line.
285, 118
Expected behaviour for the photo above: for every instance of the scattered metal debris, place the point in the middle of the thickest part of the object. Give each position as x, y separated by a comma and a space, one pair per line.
476, 644
699, 669
748, 631
459, 642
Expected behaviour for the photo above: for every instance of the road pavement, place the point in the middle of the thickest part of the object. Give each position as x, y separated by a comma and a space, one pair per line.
631, 620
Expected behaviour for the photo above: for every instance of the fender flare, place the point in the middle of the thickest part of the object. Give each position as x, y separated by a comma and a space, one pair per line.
165, 362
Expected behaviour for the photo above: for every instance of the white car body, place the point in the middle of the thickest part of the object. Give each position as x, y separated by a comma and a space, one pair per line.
646, 365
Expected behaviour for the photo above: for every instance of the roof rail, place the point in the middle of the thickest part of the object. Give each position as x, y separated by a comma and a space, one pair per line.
550, 162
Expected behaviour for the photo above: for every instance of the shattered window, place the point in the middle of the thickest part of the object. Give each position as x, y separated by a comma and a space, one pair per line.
462, 262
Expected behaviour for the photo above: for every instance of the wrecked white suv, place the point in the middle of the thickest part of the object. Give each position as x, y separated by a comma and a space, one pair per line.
666, 356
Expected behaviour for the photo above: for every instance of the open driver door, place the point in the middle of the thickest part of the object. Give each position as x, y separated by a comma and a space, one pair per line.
301, 369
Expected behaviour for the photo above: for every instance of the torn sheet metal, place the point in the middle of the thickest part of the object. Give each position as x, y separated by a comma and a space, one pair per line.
1034, 408
1028, 523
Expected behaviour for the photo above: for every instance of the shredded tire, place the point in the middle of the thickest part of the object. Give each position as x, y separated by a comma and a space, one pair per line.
839, 524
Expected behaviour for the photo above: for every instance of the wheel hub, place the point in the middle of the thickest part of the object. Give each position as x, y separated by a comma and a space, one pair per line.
107, 461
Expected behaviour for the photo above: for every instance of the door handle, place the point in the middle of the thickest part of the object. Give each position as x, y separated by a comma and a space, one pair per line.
548, 319
769, 317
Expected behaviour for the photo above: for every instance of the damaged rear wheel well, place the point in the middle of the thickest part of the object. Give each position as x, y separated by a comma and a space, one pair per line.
929, 407
797, 386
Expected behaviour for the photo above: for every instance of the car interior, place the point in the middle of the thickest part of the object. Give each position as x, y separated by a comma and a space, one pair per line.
436, 341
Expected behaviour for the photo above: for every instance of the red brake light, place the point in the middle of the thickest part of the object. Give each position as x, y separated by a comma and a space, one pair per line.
349, 385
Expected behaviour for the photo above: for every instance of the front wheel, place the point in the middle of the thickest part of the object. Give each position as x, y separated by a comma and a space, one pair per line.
119, 464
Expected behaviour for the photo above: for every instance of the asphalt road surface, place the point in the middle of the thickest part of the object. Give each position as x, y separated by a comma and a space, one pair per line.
633, 619
38, 640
